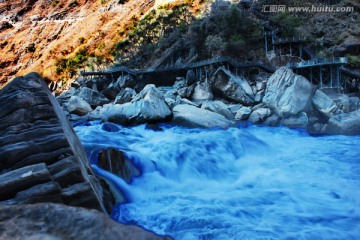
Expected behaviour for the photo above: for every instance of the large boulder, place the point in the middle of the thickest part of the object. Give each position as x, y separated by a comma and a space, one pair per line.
47, 221
218, 107
111, 91
148, 106
324, 104
233, 88
182, 89
190, 116
116, 162
65, 96
202, 92
345, 123
259, 115
186, 92
94, 98
126, 81
346, 103
287, 93
125, 95
243, 113
299, 120
78, 106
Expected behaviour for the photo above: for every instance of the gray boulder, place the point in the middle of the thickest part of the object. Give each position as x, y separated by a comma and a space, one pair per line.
273, 120
218, 107
202, 92
324, 104
259, 115
186, 92
299, 120
148, 106
259, 96
180, 100
233, 108
354, 103
78, 106
111, 91
346, 103
190, 116
287, 93
243, 113
65, 96
125, 95
345, 123
260, 85
233, 88
94, 98
47, 221
126, 81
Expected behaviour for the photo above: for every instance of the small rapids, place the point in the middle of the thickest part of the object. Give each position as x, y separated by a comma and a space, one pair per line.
239, 183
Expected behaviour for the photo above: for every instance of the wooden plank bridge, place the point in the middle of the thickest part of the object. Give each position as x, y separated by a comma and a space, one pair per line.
201, 68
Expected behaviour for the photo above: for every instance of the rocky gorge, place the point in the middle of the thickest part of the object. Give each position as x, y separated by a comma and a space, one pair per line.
175, 140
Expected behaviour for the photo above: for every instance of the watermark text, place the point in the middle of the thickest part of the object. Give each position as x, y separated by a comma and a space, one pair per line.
308, 9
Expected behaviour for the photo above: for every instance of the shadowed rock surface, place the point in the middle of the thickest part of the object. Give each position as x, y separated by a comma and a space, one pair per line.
47, 221
116, 162
41, 158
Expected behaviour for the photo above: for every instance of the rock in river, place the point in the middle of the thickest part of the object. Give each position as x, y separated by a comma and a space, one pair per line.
190, 116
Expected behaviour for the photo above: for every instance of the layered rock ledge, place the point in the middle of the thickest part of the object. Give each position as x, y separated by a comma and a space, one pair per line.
42, 159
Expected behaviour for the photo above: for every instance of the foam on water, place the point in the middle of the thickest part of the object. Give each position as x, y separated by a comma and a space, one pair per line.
249, 183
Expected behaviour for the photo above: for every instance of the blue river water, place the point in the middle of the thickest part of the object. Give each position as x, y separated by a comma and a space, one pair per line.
239, 183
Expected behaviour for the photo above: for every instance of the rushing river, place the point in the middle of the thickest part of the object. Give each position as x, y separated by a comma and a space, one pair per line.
240, 183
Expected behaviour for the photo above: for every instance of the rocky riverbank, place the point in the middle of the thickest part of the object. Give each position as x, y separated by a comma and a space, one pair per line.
221, 100
43, 161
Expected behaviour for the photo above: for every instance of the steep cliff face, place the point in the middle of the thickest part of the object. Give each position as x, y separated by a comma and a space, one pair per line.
35, 34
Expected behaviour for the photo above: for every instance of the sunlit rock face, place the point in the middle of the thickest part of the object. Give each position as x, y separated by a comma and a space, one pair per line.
287, 93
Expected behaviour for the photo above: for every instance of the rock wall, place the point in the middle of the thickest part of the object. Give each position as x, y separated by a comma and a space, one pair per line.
47, 221
41, 158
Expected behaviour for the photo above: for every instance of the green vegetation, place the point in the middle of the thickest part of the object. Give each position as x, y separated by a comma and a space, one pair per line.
288, 22
354, 61
3, 44
222, 32
81, 40
71, 65
101, 46
54, 3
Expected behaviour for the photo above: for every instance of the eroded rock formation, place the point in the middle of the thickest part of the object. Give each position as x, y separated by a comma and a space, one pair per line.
41, 158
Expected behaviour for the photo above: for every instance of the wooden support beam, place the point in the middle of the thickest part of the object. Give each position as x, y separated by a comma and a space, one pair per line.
331, 76
321, 80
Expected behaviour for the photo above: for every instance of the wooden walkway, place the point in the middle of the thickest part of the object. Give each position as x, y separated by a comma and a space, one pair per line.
205, 63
